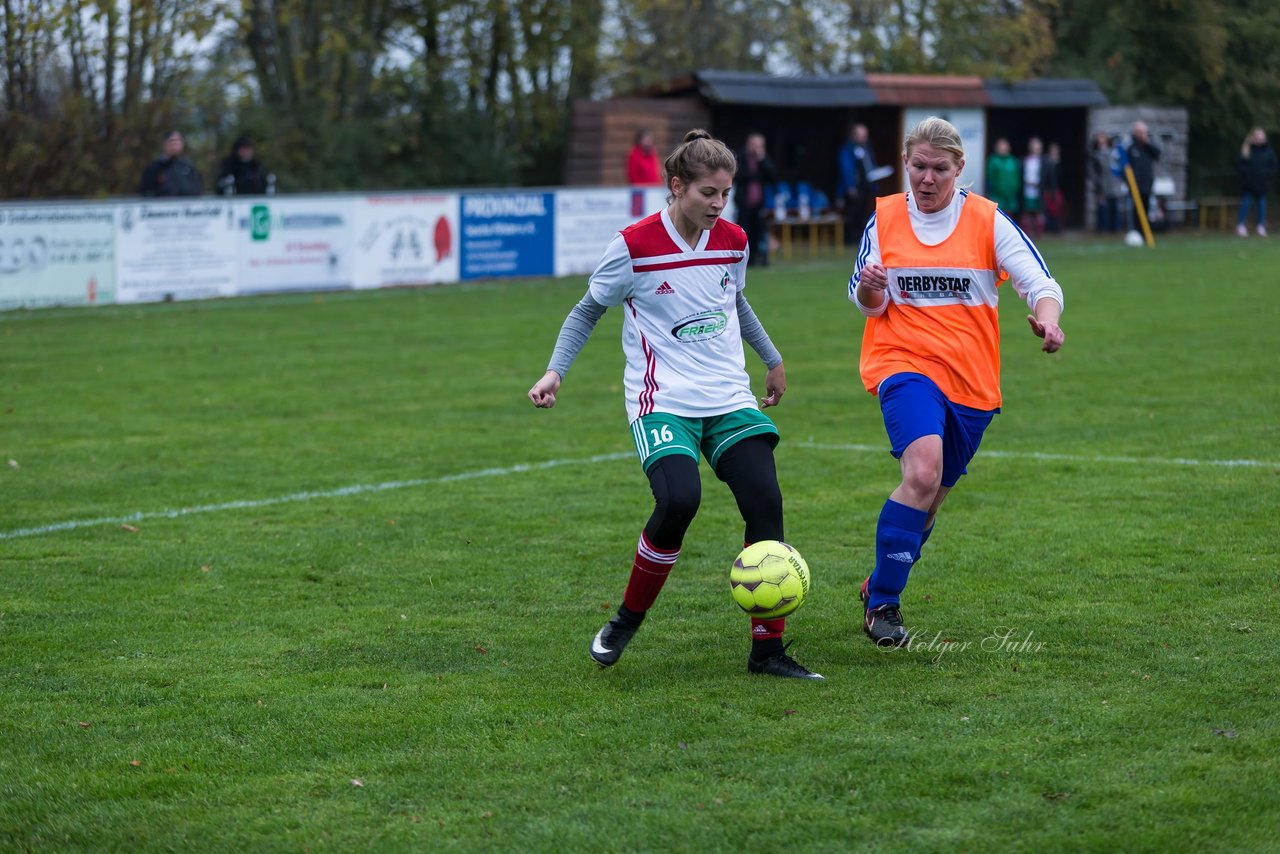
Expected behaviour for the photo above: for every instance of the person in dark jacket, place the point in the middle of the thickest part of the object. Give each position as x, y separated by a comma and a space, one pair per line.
1051, 188
855, 189
241, 173
751, 185
1257, 167
1101, 184
1143, 154
171, 174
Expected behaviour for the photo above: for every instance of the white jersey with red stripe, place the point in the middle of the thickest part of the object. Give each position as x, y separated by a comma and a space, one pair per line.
680, 330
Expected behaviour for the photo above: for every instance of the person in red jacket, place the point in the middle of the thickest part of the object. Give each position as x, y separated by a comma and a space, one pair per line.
642, 162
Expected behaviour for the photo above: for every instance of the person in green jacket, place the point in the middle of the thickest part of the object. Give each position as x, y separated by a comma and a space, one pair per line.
1003, 179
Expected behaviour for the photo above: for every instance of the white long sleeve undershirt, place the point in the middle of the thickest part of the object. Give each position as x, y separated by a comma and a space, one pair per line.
1015, 253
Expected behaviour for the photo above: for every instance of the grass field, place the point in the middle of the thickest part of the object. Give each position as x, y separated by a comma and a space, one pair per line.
310, 573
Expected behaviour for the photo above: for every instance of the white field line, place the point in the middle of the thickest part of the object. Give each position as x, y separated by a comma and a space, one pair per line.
1068, 458
296, 497
250, 504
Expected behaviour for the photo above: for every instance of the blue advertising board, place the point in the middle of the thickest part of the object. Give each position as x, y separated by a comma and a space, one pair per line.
508, 234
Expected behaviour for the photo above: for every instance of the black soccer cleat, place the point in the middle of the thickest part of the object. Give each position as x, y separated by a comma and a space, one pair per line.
863, 593
884, 626
610, 641
781, 664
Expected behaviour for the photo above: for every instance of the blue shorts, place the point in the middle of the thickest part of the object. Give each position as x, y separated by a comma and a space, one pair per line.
914, 406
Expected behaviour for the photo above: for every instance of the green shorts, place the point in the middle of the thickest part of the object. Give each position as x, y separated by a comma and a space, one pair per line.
661, 434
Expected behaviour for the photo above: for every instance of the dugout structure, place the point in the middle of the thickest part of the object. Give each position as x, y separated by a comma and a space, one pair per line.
806, 119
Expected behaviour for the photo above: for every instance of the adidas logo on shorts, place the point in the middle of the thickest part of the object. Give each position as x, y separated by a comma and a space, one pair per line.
665, 289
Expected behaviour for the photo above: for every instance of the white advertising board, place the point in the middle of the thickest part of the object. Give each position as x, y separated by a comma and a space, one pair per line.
171, 250
972, 124
586, 220
296, 244
406, 240
57, 255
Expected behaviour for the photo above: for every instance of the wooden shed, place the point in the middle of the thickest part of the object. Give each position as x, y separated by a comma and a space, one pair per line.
601, 134
806, 120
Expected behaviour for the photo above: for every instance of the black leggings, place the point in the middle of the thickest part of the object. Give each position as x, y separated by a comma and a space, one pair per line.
747, 468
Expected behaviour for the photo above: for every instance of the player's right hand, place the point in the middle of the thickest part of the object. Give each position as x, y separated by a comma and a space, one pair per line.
543, 393
874, 276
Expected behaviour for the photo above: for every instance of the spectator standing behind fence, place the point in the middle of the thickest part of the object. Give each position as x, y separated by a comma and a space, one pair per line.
241, 173
642, 162
1003, 180
1032, 198
1120, 185
1143, 154
856, 191
1257, 167
1051, 188
750, 186
171, 174
1101, 184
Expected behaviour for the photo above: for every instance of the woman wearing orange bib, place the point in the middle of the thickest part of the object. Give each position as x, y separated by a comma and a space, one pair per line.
927, 277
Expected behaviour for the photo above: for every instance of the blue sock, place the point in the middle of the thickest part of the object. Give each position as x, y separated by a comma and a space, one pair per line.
924, 538
898, 537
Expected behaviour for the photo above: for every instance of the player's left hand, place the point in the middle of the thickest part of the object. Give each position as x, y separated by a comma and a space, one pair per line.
775, 385
543, 393
1051, 333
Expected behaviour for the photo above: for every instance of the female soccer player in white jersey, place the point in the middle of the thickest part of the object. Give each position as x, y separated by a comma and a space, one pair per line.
927, 275
678, 276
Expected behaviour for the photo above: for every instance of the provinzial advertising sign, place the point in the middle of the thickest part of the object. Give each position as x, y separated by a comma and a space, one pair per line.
175, 250
406, 240
295, 244
57, 255
508, 234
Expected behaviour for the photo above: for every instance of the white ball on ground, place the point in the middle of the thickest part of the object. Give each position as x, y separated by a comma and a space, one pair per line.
1133, 238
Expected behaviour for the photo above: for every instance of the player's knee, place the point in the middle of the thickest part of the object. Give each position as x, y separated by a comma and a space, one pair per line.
677, 490
920, 486
922, 469
681, 502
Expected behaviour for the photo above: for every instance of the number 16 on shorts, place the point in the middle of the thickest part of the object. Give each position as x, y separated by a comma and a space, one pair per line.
660, 434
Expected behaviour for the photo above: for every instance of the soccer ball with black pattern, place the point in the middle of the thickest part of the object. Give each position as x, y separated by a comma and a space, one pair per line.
769, 579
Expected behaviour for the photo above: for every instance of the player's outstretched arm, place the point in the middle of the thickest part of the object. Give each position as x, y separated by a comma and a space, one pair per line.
775, 385
543, 393
573, 337
1044, 323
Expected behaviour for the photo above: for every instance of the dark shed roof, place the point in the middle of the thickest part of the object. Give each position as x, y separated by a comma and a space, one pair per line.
750, 88
766, 90
927, 90
1045, 93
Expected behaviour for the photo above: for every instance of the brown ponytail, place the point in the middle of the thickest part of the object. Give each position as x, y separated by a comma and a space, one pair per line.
697, 155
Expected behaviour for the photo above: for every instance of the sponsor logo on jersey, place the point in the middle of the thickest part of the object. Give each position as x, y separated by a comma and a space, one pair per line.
664, 289
935, 287
700, 327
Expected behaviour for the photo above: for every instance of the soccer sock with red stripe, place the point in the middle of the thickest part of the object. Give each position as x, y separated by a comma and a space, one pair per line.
766, 630
648, 574
766, 635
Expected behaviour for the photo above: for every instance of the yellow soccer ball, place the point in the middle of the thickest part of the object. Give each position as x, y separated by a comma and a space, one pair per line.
769, 579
